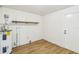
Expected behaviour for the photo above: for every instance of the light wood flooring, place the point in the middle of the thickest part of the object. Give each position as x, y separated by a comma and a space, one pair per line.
41, 47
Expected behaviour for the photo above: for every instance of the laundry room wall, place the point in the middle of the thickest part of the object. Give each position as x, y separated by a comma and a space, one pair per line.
26, 32
53, 28
54, 25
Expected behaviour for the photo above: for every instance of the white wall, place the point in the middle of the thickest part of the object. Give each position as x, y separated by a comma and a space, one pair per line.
54, 28
25, 32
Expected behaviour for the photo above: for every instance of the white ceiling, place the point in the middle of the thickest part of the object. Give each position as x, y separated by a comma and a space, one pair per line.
38, 9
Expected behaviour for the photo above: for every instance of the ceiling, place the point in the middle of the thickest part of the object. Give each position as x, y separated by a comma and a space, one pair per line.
38, 9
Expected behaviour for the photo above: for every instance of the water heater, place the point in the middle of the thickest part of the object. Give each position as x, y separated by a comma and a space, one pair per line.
5, 37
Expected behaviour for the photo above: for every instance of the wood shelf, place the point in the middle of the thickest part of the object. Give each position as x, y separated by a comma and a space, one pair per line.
24, 22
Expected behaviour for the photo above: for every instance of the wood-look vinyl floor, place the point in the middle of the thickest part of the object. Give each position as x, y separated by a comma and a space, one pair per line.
41, 47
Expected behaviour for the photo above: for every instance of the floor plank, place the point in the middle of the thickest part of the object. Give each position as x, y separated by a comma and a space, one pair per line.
41, 47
